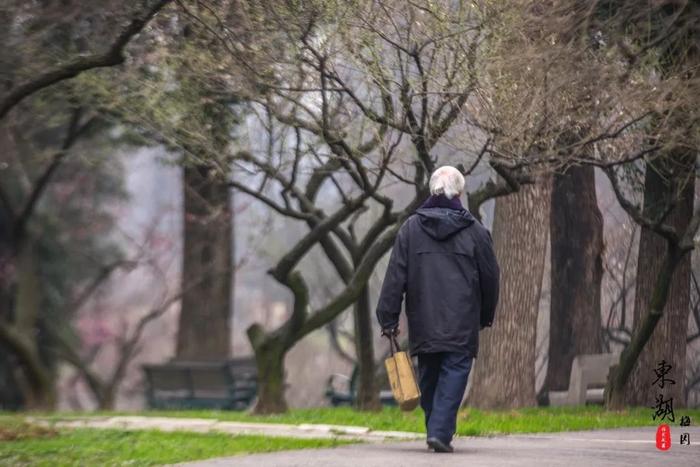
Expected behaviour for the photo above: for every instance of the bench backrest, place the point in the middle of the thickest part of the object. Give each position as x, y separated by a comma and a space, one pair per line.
588, 370
243, 368
171, 380
183, 379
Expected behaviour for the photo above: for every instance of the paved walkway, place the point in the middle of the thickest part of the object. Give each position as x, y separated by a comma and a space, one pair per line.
600, 448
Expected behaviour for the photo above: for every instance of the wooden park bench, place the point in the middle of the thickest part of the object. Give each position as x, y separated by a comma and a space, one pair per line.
589, 374
222, 385
342, 390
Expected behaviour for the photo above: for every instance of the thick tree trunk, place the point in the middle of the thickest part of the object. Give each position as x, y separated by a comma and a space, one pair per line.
576, 231
662, 294
11, 396
367, 393
270, 353
204, 331
270, 347
37, 376
504, 371
106, 400
618, 380
668, 340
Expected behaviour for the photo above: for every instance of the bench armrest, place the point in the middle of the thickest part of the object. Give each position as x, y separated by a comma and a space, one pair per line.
337, 378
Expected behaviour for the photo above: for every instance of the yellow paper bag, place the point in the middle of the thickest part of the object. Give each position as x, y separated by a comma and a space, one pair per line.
402, 378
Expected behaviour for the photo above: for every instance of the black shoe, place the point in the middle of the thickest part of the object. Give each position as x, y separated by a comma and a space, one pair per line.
439, 446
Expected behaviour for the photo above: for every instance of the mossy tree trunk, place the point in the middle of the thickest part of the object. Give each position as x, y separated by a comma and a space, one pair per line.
269, 358
271, 347
20, 335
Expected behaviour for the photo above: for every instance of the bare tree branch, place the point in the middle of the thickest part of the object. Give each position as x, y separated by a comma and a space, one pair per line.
111, 57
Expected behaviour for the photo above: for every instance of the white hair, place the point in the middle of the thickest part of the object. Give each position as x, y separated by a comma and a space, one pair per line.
447, 180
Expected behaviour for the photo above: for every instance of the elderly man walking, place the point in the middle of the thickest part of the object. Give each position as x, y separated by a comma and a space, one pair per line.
443, 261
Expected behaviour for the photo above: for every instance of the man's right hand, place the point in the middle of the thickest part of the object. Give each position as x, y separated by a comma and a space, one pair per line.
389, 331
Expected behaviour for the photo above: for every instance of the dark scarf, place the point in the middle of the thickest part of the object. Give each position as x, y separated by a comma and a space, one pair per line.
441, 201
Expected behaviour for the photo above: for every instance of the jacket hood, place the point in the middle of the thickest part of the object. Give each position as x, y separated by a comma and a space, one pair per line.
441, 223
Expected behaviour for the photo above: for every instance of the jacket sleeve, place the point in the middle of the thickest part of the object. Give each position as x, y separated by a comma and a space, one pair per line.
394, 285
489, 276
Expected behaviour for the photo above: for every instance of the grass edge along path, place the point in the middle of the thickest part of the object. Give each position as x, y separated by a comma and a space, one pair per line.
471, 422
22, 443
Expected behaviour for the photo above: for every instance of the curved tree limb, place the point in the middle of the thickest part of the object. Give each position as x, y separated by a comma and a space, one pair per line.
72, 68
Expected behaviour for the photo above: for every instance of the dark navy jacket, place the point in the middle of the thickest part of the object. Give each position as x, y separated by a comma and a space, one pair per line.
443, 261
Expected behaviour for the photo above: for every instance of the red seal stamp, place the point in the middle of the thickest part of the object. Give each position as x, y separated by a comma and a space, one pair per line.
663, 437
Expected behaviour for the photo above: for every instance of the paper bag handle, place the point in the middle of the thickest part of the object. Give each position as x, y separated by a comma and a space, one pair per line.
393, 344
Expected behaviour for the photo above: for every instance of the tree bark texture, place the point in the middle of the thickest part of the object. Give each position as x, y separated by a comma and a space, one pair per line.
367, 392
576, 239
21, 336
204, 331
504, 371
668, 340
269, 358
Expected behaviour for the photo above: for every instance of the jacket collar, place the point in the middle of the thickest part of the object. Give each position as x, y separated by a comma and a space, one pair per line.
441, 201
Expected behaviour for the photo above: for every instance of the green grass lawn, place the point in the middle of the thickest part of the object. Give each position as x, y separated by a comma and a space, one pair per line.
22, 444
471, 421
